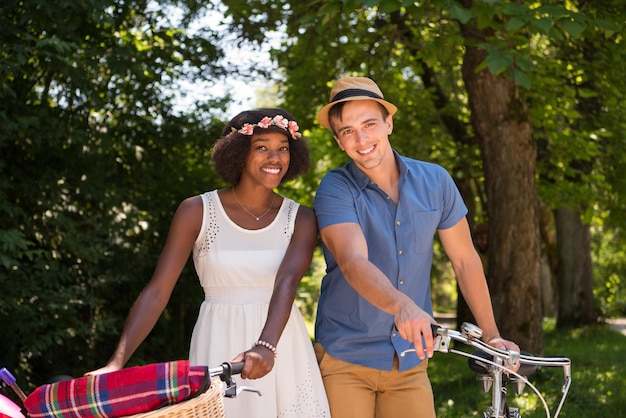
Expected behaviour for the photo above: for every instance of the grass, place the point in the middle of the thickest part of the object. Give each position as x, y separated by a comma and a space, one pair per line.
598, 389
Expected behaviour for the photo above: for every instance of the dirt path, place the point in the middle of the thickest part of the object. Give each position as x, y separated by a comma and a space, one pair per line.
618, 324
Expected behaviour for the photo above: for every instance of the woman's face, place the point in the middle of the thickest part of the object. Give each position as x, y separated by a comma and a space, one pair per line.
268, 159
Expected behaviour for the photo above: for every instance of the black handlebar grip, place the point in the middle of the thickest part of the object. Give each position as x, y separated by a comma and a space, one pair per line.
434, 328
236, 368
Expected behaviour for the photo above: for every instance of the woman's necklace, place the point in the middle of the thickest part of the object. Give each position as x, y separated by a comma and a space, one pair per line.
250, 213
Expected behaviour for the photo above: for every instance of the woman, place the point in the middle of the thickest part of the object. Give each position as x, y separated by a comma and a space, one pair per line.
250, 248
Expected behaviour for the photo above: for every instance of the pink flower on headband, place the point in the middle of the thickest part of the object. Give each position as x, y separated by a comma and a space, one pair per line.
293, 129
280, 121
265, 123
289, 125
247, 129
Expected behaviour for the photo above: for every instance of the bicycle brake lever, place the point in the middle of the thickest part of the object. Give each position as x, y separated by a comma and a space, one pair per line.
441, 343
247, 389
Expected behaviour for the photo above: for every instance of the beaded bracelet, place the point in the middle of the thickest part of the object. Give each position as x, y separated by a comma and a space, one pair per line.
266, 345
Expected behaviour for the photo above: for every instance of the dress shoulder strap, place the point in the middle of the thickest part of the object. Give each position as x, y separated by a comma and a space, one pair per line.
210, 227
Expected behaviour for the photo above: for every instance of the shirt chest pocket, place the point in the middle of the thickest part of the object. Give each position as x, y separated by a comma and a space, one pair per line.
425, 225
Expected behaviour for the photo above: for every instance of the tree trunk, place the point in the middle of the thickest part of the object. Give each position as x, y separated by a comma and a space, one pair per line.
575, 273
549, 262
500, 119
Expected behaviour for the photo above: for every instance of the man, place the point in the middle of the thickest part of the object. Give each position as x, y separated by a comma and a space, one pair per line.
377, 217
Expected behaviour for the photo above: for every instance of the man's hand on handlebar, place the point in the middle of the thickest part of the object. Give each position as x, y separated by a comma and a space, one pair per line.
415, 325
501, 343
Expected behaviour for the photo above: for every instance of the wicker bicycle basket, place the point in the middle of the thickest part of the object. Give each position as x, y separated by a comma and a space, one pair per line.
209, 404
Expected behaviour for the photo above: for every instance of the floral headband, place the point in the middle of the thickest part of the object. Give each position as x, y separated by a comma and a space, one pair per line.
266, 122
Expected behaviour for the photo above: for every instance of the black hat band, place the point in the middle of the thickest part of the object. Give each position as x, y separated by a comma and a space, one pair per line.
344, 94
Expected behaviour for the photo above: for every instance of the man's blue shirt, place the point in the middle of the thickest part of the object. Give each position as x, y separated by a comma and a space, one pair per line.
400, 243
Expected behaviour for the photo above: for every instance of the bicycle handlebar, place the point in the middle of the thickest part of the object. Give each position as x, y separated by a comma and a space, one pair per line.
225, 372
470, 335
502, 361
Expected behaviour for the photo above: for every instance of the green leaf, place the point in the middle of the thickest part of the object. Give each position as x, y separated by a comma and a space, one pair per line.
486, 20
572, 113
575, 29
486, 46
389, 6
524, 63
458, 12
587, 93
514, 9
521, 78
515, 23
543, 23
481, 66
498, 61
554, 11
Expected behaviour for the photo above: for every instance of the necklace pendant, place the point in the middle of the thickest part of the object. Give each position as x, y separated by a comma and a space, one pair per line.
258, 218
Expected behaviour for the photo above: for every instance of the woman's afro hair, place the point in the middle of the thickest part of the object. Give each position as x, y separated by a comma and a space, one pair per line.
231, 149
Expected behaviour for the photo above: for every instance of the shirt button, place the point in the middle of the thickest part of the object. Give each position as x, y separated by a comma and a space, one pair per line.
394, 335
401, 281
398, 223
401, 252
388, 198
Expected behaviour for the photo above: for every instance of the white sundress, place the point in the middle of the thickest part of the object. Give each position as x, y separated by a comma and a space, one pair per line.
237, 268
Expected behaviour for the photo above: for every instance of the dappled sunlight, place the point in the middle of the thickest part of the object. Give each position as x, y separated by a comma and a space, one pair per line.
527, 402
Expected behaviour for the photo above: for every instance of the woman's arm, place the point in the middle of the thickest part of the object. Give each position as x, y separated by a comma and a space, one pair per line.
259, 360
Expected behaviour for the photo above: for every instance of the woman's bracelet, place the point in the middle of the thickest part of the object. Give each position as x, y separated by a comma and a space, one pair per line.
266, 345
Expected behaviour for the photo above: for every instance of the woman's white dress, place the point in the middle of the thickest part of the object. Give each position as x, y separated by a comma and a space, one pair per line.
237, 268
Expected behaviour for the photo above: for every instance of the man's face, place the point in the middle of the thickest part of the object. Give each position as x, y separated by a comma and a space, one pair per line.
363, 133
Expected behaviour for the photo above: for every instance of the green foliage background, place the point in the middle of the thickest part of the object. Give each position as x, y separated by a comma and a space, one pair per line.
94, 159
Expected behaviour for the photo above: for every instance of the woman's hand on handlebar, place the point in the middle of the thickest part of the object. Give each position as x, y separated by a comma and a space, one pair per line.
258, 361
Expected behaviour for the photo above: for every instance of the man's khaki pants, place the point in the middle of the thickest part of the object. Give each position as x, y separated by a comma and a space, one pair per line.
356, 391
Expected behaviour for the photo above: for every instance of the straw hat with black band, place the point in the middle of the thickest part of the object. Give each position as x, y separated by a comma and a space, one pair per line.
353, 88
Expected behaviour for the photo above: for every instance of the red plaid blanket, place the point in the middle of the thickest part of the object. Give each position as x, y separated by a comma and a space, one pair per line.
125, 392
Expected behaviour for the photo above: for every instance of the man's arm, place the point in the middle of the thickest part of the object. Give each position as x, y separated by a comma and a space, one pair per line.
457, 242
348, 245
